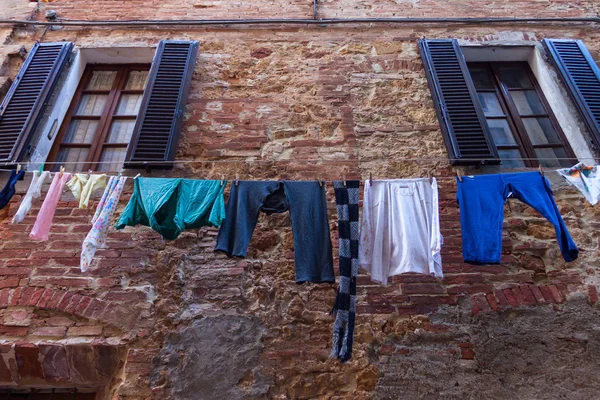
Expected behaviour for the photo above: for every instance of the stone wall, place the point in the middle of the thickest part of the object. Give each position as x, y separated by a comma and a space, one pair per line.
173, 320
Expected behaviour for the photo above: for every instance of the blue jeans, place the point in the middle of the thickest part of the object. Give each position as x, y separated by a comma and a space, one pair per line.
9, 189
481, 199
310, 225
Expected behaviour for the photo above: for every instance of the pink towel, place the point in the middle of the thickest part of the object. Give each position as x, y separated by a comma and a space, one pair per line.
44, 219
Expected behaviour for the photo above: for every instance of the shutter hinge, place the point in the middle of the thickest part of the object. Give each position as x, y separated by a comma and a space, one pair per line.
180, 113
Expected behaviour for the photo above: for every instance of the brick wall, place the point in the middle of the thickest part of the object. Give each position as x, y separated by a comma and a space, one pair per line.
352, 101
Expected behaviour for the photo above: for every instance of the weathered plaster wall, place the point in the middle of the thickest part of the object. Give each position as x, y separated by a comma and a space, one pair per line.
195, 324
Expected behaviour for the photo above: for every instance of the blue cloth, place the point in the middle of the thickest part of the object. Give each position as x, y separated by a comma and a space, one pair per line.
481, 199
9, 189
310, 225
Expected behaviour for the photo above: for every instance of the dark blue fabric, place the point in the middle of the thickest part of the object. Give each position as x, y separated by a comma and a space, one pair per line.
9, 189
310, 225
481, 199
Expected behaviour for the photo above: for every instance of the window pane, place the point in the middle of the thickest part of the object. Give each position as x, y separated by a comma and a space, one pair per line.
490, 104
541, 131
120, 132
81, 131
72, 155
481, 78
136, 80
548, 157
510, 158
129, 104
514, 77
101, 80
112, 159
528, 102
501, 132
91, 104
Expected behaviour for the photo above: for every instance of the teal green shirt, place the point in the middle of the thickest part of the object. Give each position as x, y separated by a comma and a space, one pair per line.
171, 205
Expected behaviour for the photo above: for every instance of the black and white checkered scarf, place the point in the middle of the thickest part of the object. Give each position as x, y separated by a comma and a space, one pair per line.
344, 309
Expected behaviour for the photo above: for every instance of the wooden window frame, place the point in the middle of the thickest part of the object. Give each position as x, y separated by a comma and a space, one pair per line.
514, 119
107, 117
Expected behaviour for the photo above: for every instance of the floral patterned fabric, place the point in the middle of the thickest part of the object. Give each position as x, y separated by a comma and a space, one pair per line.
107, 206
586, 179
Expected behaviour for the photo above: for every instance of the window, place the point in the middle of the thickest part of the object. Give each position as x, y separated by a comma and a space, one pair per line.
44, 394
100, 121
495, 109
519, 119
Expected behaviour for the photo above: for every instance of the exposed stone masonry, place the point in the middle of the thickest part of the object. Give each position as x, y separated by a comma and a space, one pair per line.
160, 319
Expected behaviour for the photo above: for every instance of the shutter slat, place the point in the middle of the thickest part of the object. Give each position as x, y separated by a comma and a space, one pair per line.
25, 101
464, 128
581, 75
158, 126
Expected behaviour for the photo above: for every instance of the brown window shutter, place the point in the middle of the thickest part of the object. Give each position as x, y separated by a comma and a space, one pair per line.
25, 101
158, 125
581, 75
464, 128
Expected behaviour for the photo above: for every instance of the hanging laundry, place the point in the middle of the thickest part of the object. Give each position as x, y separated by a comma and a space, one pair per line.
34, 192
310, 226
481, 199
105, 212
344, 309
83, 185
400, 229
43, 222
171, 205
9, 189
586, 179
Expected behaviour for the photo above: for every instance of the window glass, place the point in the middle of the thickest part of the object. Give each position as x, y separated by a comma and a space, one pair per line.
120, 132
515, 77
511, 158
129, 104
501, 132
549, 157
73, 155
112, 159
490, 104
101, 80
91, 104
541, 131
528, 102
81, 131
136, 80
481, 78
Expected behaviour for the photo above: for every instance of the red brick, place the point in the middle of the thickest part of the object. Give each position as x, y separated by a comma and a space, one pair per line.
469, 289
527, 296
9, 283
88, 330
547, 294
558, 296
15, 271
491, 299
65, 301
4, 296
13, 330
15, 295
83, 305
35, 297
592, 294
70, 308
501, 299
26, 295
539, 297
45, 298
57, 331
466, 351
57, 297
518, 295
421, 288
365, 309
512, 300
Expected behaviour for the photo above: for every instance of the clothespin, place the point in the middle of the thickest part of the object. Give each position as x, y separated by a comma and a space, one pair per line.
430, 176
370, 178
89, 173
222, 180
459, 175
18, 167
135, 177
320, 182
237, 179
62, 170
541, 170
344, 180
41, 168
119, 176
